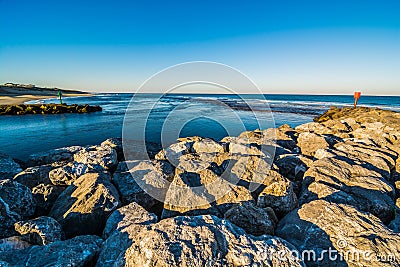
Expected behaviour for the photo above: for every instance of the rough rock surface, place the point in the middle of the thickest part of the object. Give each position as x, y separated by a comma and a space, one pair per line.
342, 180
67, 174
116, 144
34, 176
8, 167
207, 145
83, 207
202, 193
254, 220
279, 196
40, 231
76, 252
44, 196
104, 156
54, 155
144, 181
319, 226
132, 213
121, 226
309, 143
16, 203
203, 241
13, 243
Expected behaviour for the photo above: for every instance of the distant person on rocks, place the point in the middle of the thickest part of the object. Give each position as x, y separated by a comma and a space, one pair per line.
60, 96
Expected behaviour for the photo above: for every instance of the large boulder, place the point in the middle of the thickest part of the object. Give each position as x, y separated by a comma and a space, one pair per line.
380, 159
283, 136
279, 196
40, 231
16, 203
254, 220
202, 193
104, 156
203, 241
207, 145
121, 226
54, 155
343, 180
76, 252
309, 143
121, 218
13, 243
34, 176
116, 144
8, 167
323, 231
67, 174
251, 172
84, 206
145, 182
45, 195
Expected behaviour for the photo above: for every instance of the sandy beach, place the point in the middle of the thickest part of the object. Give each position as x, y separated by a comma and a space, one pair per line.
14, 95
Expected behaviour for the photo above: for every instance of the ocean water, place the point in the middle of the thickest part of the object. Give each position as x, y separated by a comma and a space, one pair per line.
165, 119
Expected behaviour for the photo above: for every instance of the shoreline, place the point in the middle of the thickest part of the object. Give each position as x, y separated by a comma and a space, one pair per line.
23, 99
19, 94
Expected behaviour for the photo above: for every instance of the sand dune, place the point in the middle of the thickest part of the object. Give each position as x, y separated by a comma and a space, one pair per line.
13, 95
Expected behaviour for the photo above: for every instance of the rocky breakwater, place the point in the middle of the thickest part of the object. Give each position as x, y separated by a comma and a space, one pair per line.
323, 194
46, 109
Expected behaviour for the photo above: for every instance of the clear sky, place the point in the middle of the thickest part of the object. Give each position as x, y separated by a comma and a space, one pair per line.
309, 46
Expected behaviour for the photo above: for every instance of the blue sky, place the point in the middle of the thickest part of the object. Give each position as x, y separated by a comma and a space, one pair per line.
314, 47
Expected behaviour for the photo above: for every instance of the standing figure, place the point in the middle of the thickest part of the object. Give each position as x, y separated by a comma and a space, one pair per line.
357, 95
60, 96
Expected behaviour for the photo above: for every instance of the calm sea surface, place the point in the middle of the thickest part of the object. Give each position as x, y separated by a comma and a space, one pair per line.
212, 116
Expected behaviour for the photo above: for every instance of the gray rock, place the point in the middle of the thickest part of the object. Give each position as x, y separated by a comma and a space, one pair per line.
146, 182
121, 218
116, 144
16, 203
67, 174
279, 196
118, 242
320, 227
76, 252
395, 224
40, 231
202, 193
343, 180
44, 196
8, 167
121, 227
203, 241
84, 206
13, 243
207, 145
283, 136
175, 151
104, 156
34, 176
54, 155
292, 166
309, 143
254, 220
252, 172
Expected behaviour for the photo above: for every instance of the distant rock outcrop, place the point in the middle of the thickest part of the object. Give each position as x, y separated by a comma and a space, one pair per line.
24, 109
